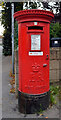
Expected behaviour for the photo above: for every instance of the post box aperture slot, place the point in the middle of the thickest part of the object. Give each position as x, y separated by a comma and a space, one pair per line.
35, 42
35, 28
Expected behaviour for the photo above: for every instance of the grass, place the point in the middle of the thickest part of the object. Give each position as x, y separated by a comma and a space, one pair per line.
54, 92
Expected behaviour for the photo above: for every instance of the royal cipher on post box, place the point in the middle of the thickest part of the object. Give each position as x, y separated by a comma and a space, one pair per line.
33, 42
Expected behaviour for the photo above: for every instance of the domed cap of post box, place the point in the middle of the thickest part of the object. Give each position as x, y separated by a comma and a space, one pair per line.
33, 15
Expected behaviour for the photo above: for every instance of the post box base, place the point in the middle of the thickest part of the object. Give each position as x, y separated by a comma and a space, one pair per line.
29, 104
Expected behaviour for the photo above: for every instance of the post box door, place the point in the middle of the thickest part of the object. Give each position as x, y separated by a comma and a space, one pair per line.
39, 75
35, 62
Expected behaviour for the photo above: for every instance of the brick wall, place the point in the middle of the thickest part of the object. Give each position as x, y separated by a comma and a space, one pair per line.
55, 66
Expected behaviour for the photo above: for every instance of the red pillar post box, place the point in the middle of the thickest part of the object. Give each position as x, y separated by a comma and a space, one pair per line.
33, 42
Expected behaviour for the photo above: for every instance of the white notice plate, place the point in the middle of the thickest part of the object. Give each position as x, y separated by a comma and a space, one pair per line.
36, 53
35, 42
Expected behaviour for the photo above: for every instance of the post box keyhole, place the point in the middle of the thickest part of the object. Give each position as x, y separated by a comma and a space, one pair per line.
47, 57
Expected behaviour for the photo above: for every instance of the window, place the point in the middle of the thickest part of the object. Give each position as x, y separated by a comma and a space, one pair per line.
55, 42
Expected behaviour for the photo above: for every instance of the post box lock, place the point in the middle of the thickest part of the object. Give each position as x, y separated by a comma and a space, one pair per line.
44, 65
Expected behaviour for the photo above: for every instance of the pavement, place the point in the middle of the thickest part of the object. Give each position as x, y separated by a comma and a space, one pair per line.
9, 102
